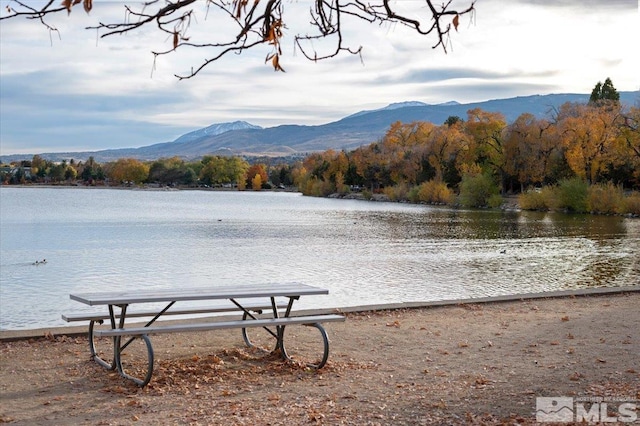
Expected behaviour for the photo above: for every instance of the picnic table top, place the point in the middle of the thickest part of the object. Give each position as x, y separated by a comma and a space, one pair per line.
125, 297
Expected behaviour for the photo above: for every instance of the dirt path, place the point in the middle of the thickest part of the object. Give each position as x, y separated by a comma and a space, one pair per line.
465, 364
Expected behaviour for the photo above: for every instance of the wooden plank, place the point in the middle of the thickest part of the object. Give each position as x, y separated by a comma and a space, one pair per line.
198, 293
218, 309
266, 322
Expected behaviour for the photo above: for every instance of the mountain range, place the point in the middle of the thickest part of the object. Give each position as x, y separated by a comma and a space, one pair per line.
360, 128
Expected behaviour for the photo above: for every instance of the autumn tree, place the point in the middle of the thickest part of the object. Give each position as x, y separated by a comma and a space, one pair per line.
626, 152
218, 170
39, 166
127, 170
443, 148
369, 163
253, 171
256, 182
321, 173
402, 147
587, 133
254, 24
485, 128
337, 171
530, 145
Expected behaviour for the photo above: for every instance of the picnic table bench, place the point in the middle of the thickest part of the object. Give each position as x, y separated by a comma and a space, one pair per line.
271, 314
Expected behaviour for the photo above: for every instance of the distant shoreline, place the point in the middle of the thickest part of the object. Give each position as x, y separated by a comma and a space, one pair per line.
510, 203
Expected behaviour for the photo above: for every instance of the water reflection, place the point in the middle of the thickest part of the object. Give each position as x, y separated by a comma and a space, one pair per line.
364, 252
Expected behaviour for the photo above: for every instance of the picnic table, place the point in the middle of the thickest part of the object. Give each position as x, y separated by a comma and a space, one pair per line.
259, 304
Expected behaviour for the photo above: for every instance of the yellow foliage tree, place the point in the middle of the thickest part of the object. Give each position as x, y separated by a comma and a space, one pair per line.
256, 182
485, 128
127, 170
588, 134
444, 144
256, 169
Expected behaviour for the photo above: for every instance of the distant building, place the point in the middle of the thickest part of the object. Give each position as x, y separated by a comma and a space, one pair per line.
12, 171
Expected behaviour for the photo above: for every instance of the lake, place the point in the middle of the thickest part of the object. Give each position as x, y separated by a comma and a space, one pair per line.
96, 239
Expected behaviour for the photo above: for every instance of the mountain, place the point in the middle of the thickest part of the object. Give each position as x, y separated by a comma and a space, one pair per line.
389, 107
361, 128
214, 130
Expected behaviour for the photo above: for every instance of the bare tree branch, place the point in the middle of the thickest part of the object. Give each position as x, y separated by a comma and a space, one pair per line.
257, 22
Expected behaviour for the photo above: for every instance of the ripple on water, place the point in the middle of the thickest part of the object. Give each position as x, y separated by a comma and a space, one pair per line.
364, 253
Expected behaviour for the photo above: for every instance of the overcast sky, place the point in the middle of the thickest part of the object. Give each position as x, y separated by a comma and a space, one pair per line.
77, 93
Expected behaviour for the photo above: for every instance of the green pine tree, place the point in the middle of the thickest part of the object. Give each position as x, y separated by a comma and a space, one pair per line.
609, 92
604, 92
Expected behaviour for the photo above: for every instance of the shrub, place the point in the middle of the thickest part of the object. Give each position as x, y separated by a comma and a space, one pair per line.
542, 199
432, 192
479, 190
571, 194
316, 187
399, 192
532, 200
605, 199
495, 200
631, 204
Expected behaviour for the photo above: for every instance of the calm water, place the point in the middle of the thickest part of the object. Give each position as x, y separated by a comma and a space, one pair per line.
364, 252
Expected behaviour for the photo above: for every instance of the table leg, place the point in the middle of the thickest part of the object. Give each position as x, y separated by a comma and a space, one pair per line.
92, 349
118, 347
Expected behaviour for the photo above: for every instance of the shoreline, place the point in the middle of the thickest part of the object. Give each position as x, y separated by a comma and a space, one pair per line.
77, 330
510, 201
461, 364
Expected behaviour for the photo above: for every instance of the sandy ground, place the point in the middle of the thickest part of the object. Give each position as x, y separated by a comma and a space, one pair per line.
460, 364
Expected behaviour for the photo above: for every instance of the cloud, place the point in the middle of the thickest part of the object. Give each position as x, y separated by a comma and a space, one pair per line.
84, 92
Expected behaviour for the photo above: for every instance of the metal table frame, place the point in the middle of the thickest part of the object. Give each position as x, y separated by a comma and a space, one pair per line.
122, 300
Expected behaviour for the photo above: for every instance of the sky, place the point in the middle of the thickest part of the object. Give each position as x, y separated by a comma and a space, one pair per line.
72, 91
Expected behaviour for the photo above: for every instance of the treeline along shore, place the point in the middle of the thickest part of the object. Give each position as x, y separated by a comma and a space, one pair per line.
584, 158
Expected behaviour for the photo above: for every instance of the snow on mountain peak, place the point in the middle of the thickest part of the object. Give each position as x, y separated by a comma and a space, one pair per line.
216, 129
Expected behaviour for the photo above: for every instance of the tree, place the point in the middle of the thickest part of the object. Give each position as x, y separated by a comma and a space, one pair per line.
627, 145
485, 128
91, 171
256, 170
604, 92
402, 148
70, 173
170, 171
529, 144
38, 166
128, 170
218, 170
57, 171
588, 133
256, 183
258, 23
444, 144
453, 120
